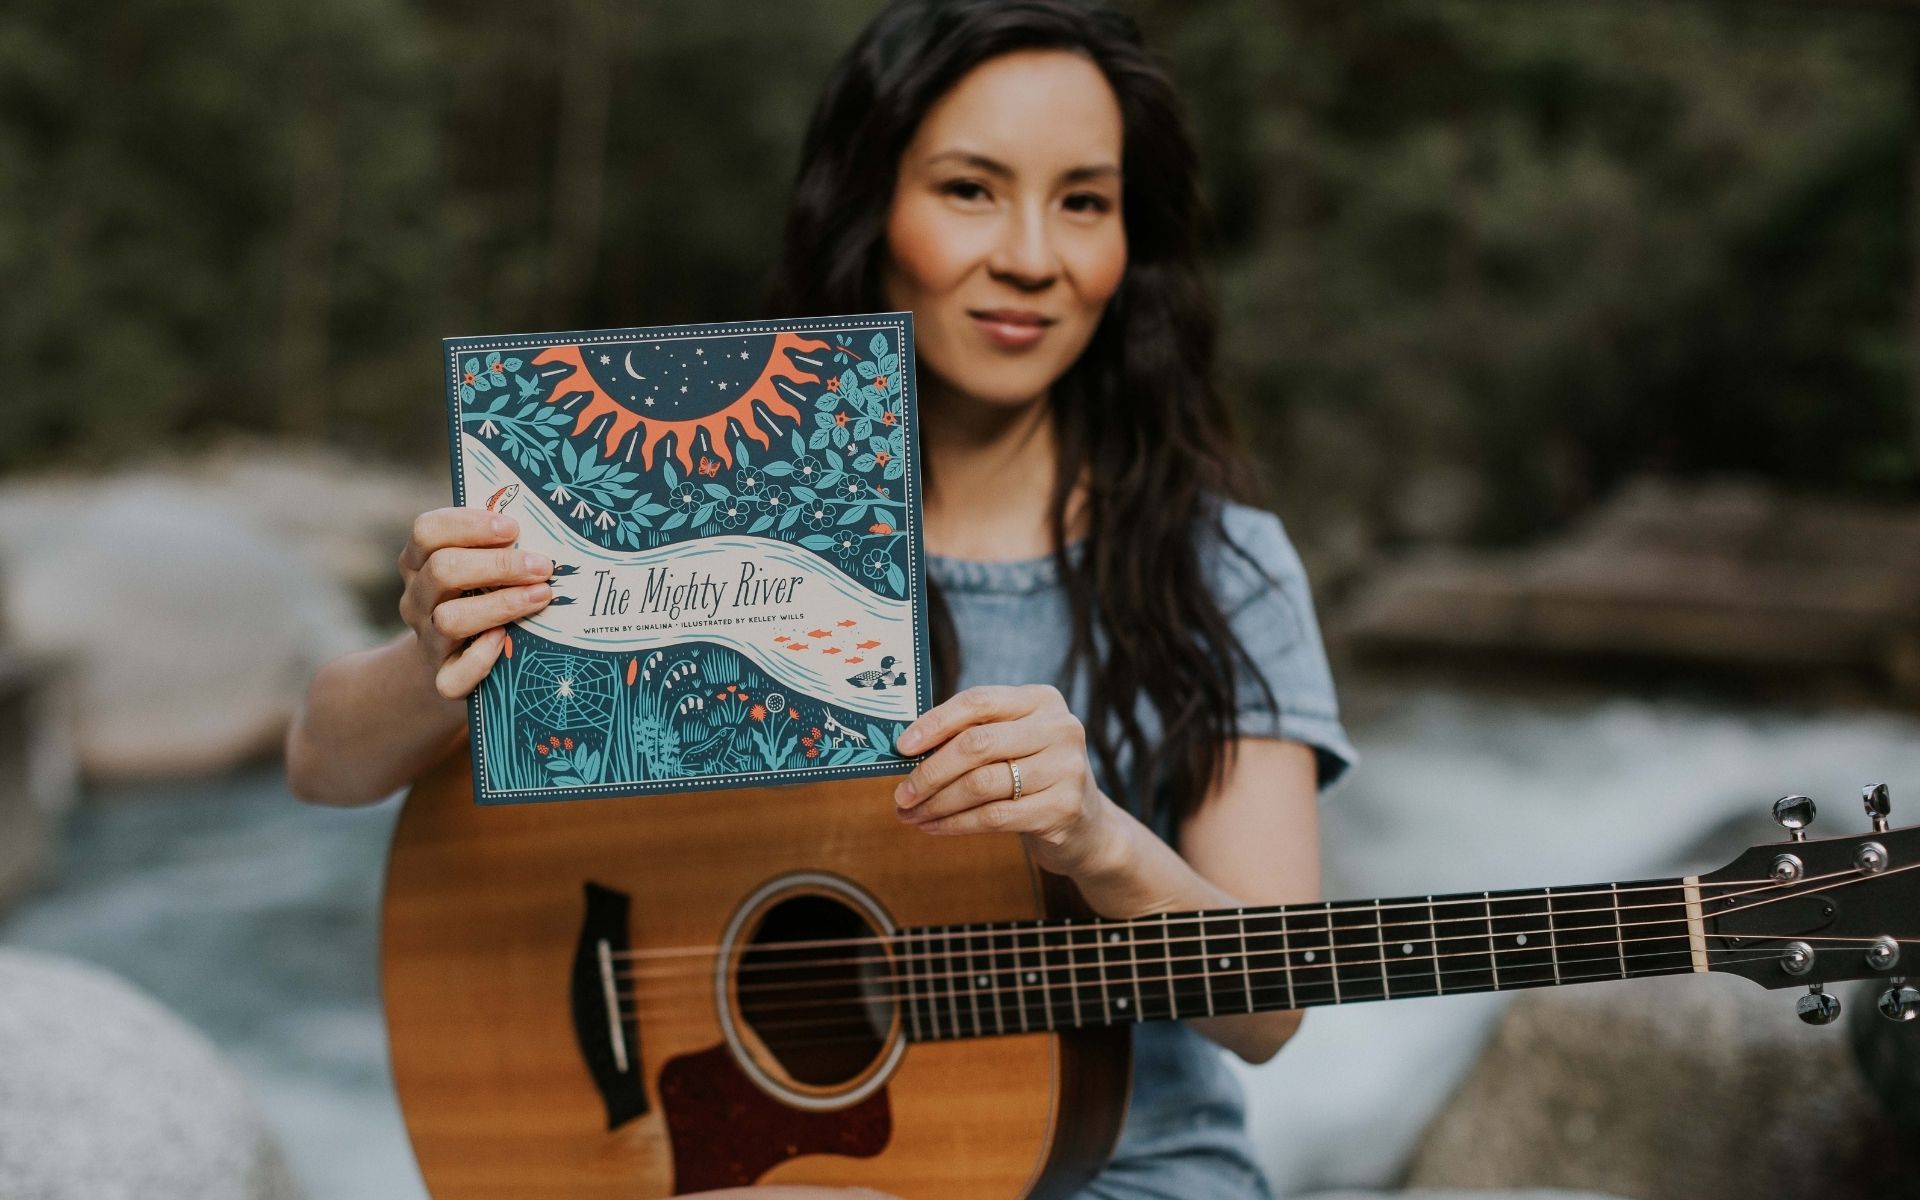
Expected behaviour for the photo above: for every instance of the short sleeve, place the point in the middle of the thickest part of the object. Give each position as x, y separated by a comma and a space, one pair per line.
1262, 589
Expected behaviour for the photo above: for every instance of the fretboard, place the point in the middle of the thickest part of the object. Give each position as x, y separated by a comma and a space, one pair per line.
1062, 973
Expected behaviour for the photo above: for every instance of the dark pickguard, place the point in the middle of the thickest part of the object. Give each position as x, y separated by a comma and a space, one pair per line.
726, 1132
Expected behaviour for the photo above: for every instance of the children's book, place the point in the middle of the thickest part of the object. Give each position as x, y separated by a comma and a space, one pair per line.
733, 511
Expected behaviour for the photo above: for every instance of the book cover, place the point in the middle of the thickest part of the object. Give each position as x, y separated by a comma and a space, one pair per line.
733, 511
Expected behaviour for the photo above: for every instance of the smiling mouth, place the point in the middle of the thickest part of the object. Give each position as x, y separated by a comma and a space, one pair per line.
1001, 316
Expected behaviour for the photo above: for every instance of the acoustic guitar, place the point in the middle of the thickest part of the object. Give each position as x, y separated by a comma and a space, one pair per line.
650, 996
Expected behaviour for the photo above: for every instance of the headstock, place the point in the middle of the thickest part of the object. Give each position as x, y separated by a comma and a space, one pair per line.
1813, 911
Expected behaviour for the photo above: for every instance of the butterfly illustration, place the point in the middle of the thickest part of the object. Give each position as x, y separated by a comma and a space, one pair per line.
708, 466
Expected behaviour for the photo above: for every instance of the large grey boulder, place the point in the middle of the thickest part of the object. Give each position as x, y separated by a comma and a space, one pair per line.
1684, 1088
104, 1095
196, 599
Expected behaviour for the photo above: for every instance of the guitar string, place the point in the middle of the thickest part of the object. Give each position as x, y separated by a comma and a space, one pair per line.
1333, 966
1103, 924
1161, 934
927, 935
857, 1010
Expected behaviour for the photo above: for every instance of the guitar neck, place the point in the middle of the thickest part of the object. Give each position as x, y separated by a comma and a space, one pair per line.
1069, 972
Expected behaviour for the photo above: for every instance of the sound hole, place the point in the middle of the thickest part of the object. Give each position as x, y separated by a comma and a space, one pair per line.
812, 986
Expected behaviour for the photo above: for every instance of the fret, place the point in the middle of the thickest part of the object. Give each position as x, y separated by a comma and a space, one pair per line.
1553, 934
1078, 945
1168, 961
1655, 915
1358, 972
1008, 1003
1153, 969
986, 978
1200, 932
1090, 989
1021, 978
1060, 970
904, 956
1619, 931
1523, 944
1585, 934
1133, 970
965, 980
1112, 973
1233, 990
946, 964
1309, 955
1463, 932
1438, 947
1407, 956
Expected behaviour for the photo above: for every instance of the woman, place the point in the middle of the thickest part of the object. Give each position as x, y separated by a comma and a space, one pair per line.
1110, 620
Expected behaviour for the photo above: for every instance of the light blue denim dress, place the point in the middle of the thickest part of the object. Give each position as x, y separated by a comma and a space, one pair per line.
1185, 1136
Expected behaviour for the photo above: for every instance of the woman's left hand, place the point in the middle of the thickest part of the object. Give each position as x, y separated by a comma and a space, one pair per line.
965, 786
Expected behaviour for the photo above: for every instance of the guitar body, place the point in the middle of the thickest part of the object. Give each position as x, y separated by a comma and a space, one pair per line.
569, 1017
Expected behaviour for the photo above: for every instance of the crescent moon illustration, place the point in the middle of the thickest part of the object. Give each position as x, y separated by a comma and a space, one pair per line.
630, 370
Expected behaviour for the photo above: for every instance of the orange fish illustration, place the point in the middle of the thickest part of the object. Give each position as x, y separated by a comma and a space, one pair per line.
847, 622
796, 645
830, 650
499, 500
868, 644
708, 466
818, 632
856, 658
779, 637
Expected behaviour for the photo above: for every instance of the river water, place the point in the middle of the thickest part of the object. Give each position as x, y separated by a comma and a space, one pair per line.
254, 916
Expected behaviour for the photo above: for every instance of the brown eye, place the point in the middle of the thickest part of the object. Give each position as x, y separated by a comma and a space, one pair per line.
965, 189
1088, 202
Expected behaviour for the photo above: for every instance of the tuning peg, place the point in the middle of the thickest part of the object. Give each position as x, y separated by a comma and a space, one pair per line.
1878, 802
1818, 1006
1794, 814
1900, 1003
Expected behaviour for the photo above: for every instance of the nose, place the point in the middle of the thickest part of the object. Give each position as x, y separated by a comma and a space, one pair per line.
1024, 254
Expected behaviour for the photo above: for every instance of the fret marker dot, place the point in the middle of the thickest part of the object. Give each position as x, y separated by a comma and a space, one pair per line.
1225, 963
1519, 939
1032, 977
1113, 937
1406, 947
982, 981
1122, 1002
1308, 956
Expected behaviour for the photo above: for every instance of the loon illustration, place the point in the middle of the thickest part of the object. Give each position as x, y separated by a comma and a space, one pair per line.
879, 680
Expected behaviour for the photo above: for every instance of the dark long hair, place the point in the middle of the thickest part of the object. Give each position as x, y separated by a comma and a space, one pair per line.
1137, 413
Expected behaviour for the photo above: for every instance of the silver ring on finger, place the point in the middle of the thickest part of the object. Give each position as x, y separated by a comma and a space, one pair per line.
1015, 768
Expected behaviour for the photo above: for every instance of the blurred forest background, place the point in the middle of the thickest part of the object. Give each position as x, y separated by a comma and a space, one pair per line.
1479, 259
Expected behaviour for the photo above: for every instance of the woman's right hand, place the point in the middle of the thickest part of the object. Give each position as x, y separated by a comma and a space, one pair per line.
450, 553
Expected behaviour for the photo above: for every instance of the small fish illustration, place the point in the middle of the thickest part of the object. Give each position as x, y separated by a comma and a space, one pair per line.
856, 658
708, 466
779, 637
559, 600
819, 633
830, 650
847, 622
796, 645
499, 500
869, 644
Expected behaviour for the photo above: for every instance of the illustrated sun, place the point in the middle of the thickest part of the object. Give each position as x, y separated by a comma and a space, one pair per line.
654, 429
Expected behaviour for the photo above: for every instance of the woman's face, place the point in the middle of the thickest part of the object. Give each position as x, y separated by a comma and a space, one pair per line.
1005, 237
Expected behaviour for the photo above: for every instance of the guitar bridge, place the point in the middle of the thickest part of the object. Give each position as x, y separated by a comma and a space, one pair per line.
607, 1033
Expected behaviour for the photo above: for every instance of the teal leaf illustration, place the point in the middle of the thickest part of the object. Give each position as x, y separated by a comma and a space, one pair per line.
878, 345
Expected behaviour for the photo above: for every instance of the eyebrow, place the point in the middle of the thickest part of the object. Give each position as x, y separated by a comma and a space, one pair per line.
993, 166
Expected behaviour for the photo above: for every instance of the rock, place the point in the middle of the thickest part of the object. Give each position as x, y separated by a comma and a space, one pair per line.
196, 600
37, 771
106, 1096
1697, 1087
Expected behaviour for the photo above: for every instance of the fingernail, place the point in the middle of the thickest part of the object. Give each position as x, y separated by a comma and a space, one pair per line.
907, 741
502, 525
903, 795
538, 591
537, 564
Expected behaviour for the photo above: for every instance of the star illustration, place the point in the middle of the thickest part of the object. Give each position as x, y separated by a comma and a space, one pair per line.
649, 401
683, 387
604, 360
